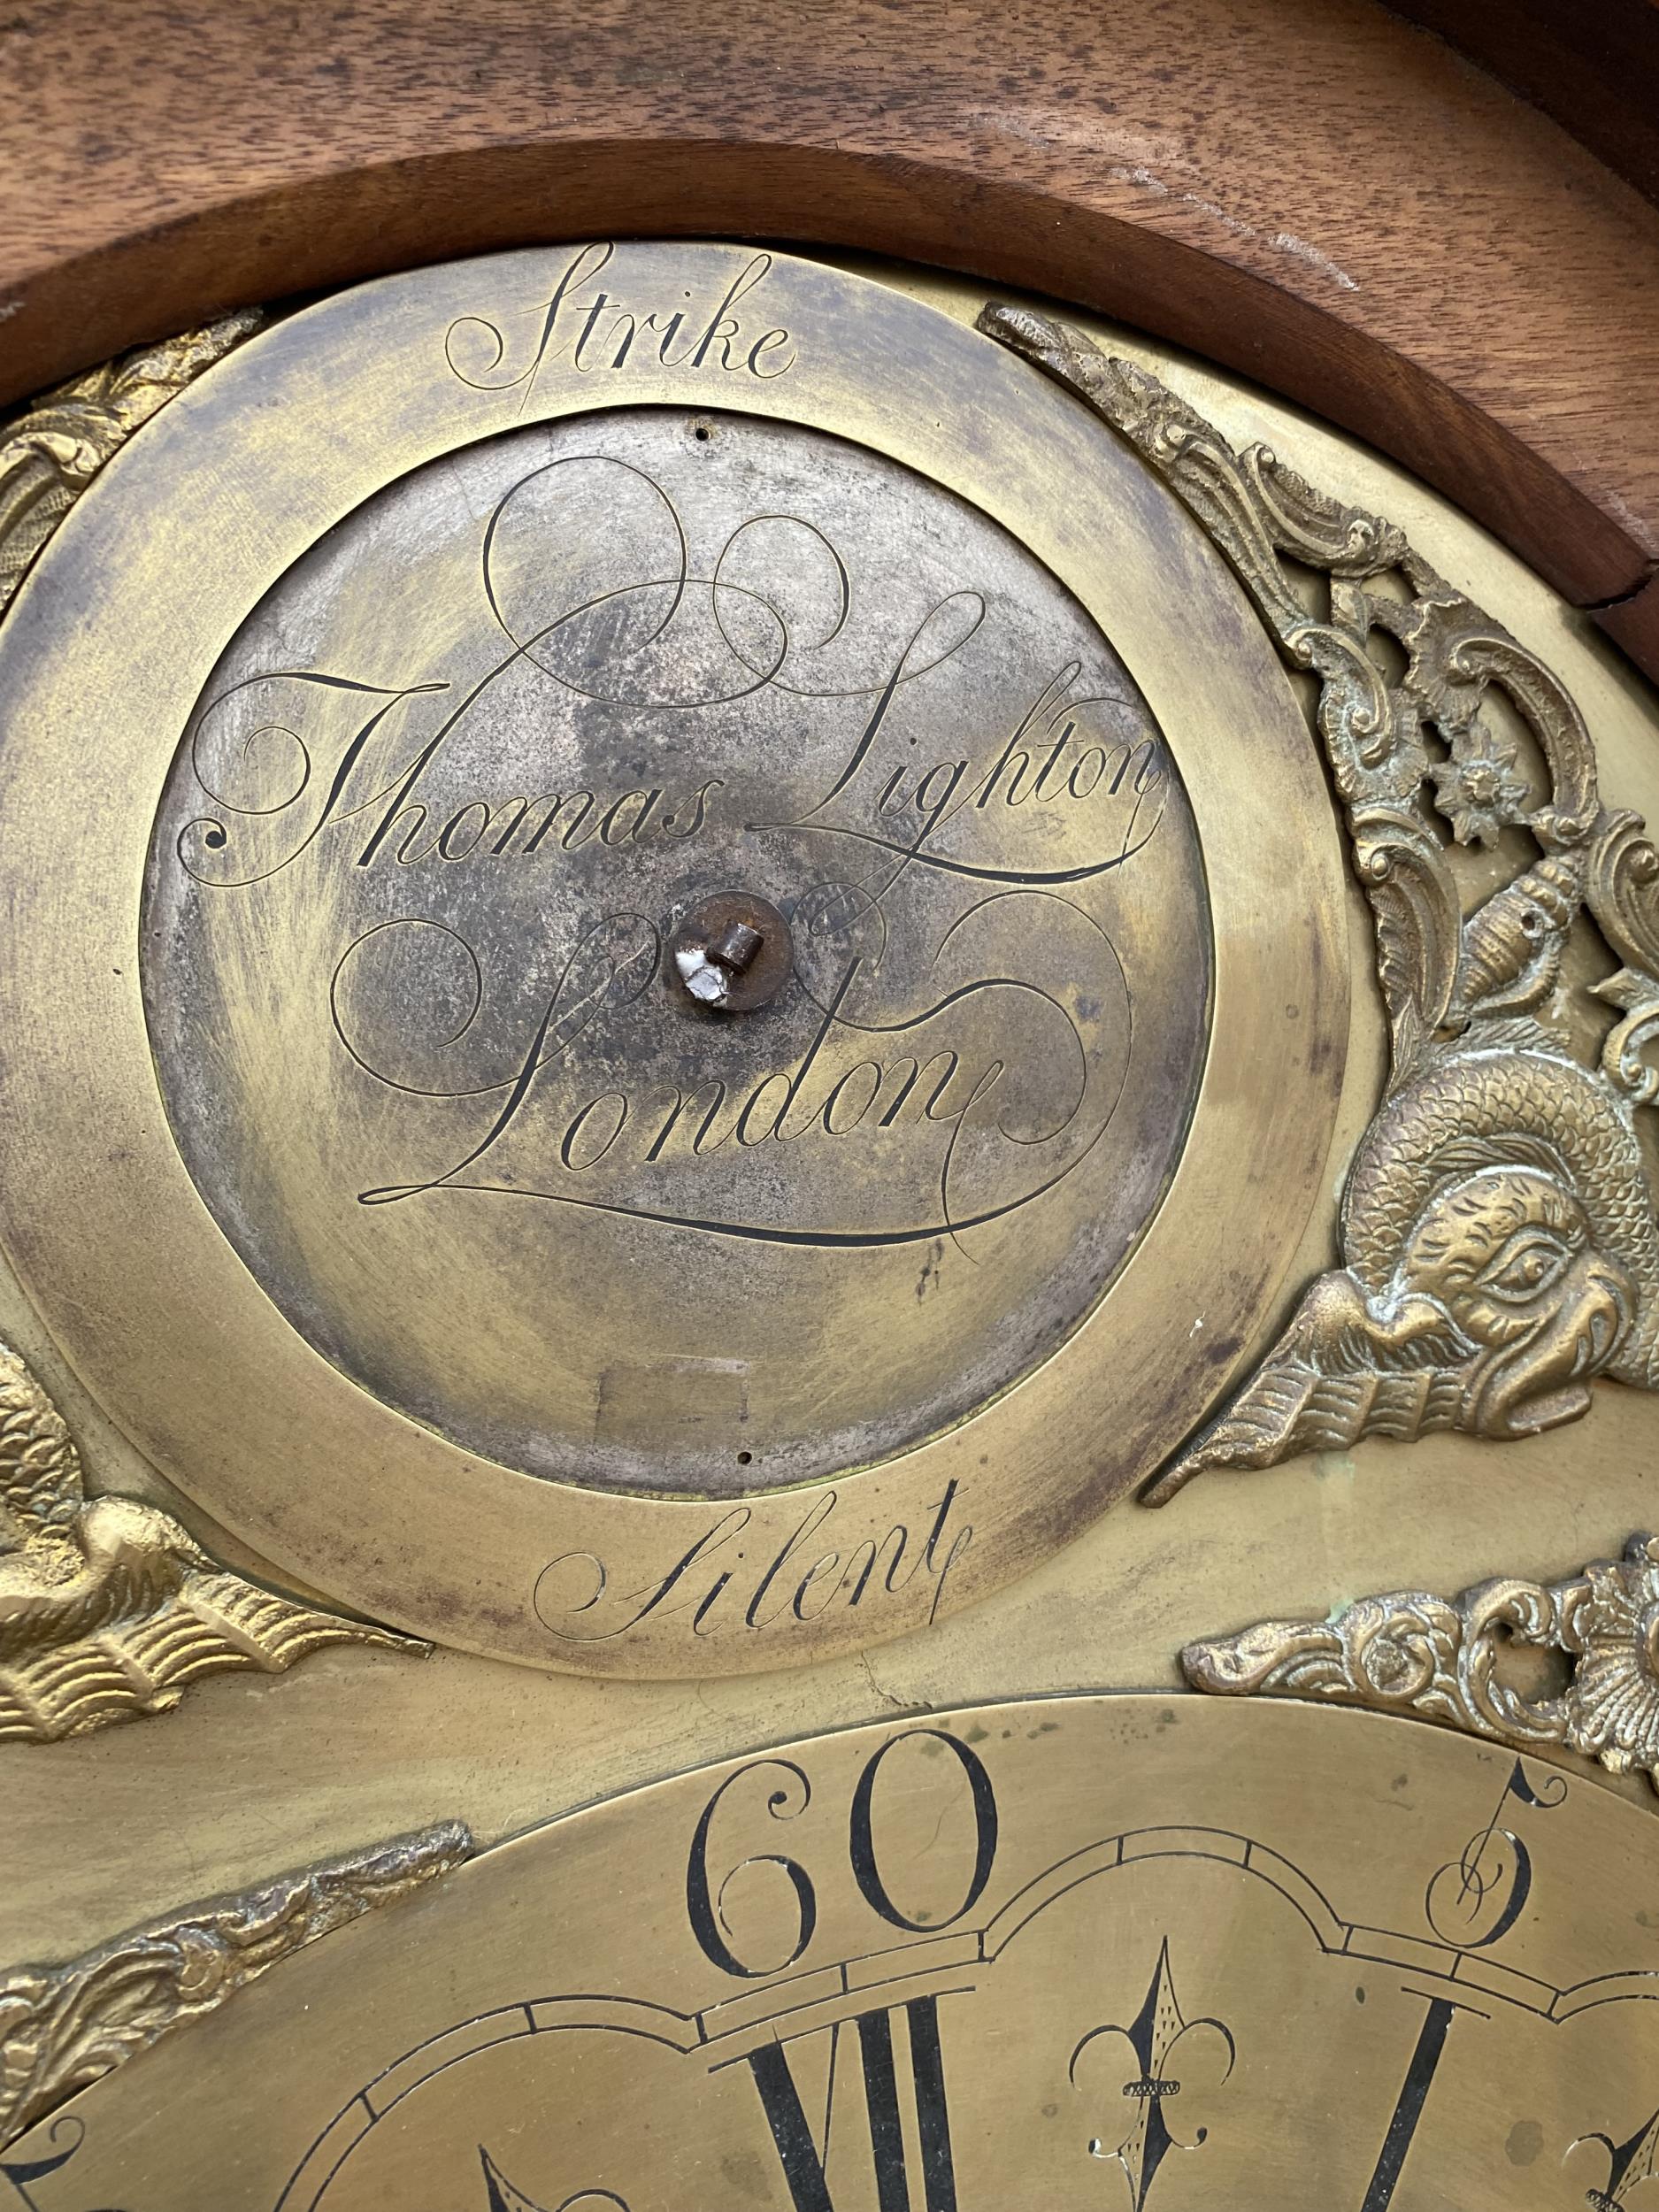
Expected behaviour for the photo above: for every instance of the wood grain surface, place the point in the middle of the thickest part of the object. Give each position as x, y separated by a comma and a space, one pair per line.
1312, 191
1634, 623
1594, 64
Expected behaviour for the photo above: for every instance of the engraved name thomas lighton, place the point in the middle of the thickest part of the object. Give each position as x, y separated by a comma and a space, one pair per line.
456, 783
406, 993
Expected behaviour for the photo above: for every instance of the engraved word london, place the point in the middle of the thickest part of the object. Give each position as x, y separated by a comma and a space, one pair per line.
448, 862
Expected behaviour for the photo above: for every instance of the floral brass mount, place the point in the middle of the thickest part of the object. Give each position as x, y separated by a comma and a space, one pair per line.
109, 1609
63, 2027
1407, 1652
1498, 1230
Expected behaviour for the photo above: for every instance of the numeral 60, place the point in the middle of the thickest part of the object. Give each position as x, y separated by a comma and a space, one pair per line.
791, 1794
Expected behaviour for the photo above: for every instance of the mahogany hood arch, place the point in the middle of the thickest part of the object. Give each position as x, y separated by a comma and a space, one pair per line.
1314, 192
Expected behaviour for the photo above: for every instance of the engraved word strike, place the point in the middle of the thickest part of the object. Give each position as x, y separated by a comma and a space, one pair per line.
595, 328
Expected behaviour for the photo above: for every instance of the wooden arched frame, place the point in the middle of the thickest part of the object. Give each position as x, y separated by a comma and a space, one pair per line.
1314, 192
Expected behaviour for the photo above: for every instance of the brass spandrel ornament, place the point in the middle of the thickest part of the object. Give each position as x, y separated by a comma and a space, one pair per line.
1498, 1235
657, 854
1138, 1952
50, 452
1443, 1659
109, 1609
679, 992
64, 2026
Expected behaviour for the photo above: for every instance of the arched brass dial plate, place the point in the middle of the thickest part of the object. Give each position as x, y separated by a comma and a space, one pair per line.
1130, 1951
646, 875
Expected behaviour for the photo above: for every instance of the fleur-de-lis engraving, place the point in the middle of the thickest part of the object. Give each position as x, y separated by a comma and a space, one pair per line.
1629, 2164
1160, 2056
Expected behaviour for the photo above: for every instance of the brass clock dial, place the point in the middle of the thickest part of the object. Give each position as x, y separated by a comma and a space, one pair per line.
1129, 1952
429, 1049
671, 880
681, 990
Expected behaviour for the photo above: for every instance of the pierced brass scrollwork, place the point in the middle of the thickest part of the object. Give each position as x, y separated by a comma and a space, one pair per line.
1409, 1652
109, 1609
62, 2027
1498, 1228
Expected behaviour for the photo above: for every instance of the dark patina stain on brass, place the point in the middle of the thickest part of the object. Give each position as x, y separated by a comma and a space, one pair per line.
459, 787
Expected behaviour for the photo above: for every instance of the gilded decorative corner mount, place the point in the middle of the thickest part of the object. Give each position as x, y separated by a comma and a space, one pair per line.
1409, 1652
1498, 1228
62, 2027
50, 455
109, 1609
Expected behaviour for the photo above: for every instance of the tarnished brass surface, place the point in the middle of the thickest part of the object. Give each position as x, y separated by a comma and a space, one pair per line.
62, 2027
115, 1828
255, 1772
1498, 1219
1138, 1952
109, 1609
51, 452
455, 789
1409, 1652
426, 503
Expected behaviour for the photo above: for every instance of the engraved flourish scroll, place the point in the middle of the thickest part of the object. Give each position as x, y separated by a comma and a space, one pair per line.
1498, 1228
109, 1609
